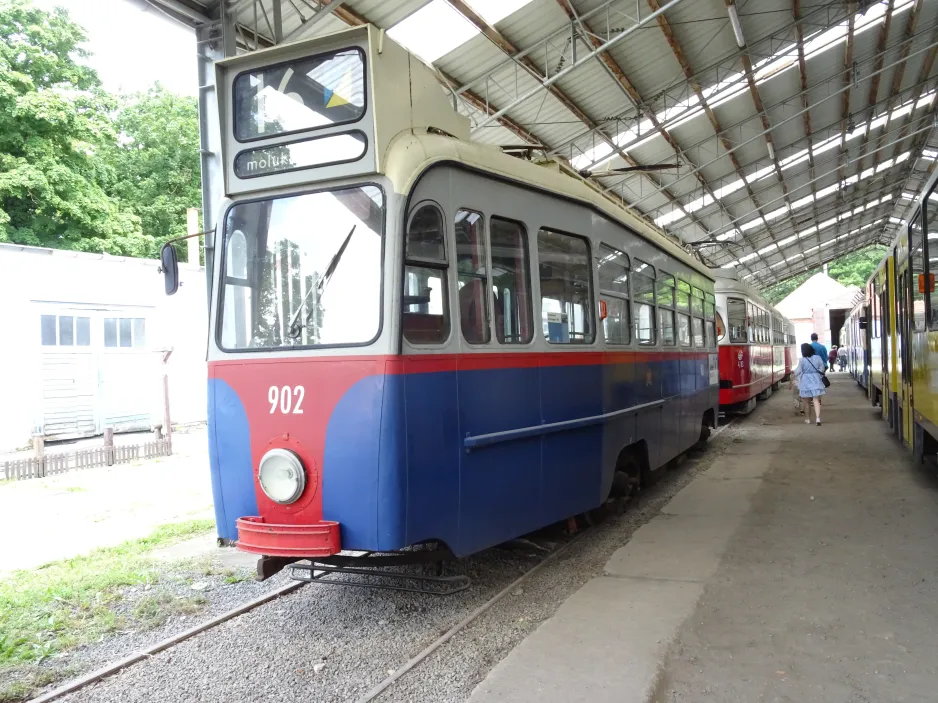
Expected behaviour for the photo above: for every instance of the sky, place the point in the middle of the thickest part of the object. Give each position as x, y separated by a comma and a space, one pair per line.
134, 44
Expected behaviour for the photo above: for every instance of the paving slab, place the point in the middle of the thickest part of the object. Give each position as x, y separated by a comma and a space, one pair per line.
604, 644
828, 592
677, 547
708, 497
732, 466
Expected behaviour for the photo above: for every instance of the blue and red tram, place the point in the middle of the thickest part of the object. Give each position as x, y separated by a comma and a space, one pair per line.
421, 339
757, 345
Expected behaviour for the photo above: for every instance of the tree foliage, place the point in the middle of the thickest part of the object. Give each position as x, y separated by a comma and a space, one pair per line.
852, 269
54, 120
79, 168
155, 162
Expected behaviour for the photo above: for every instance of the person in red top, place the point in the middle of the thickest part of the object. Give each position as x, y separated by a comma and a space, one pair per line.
832, 357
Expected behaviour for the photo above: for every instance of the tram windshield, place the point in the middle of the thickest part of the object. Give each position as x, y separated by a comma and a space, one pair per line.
302, 270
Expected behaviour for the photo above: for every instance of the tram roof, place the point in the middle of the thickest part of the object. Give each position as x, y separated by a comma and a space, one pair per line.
803, 144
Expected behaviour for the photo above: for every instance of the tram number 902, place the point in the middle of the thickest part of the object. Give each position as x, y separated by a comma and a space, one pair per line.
288, 401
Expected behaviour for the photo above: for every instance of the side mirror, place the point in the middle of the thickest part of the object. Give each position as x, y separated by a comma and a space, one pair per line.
169, 267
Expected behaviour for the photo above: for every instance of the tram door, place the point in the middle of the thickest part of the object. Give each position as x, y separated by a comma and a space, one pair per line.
885, 338
905, 360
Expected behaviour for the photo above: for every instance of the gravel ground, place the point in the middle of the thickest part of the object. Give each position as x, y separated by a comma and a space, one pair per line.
334, 644
153, 613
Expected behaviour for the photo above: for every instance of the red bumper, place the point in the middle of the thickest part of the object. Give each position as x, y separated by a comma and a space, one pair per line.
255, 535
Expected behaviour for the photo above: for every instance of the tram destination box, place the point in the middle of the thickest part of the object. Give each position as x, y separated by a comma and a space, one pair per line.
323, 109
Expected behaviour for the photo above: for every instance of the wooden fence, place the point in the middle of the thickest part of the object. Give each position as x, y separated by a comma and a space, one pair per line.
52, 464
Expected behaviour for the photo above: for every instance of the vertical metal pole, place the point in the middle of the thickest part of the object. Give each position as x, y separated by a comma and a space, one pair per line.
214, 42
278, 23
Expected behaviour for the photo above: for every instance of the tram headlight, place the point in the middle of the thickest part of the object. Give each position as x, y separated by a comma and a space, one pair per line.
281, 476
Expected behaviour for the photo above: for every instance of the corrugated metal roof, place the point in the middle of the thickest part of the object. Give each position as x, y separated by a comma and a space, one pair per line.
645, 66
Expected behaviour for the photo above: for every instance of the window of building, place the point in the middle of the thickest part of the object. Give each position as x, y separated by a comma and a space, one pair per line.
566, 303
472, 276
643, 297
125, 332
511, 282
736, 320
666, 289
426, 309
65, 331
614, 292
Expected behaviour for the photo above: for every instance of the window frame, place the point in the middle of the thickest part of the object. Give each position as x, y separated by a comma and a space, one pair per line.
526, 259
931, 319
333, 52
589, 309
217, 317
605, 293
662, 280
653, 305
745, 337
486, 278
441, 265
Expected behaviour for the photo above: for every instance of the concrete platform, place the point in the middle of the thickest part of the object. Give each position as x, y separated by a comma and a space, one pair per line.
800, 567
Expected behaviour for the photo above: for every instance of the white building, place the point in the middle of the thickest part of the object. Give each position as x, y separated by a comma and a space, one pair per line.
84, 340
819, 305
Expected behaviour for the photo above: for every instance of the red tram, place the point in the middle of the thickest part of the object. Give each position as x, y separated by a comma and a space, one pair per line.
756, 344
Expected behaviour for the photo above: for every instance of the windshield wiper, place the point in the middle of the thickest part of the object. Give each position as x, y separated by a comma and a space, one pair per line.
321, 284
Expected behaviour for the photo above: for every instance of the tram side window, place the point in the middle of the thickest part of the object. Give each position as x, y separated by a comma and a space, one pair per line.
614, 292
643, 297
920, 298
665, 290
710, 321
736, 320
472, 275
697, 310
511, 281
931, 229
565, 271
426, 309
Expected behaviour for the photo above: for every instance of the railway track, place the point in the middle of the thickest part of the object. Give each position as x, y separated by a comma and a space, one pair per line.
385, 684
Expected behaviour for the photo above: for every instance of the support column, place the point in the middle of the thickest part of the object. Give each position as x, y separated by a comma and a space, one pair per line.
213, 42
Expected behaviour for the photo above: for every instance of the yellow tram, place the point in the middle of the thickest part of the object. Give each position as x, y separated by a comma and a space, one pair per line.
893, 333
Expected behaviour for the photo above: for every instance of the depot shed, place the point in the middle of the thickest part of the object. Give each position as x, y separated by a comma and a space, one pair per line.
85, 340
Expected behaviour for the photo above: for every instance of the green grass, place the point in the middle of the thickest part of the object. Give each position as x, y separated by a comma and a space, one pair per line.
65, 603
153, 611
29, 680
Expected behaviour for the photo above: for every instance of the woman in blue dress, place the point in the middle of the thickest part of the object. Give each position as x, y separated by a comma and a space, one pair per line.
810, 374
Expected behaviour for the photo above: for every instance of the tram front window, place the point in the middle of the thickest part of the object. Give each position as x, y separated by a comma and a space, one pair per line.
303, 270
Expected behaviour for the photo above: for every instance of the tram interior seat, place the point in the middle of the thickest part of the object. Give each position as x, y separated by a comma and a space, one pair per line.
471, 309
